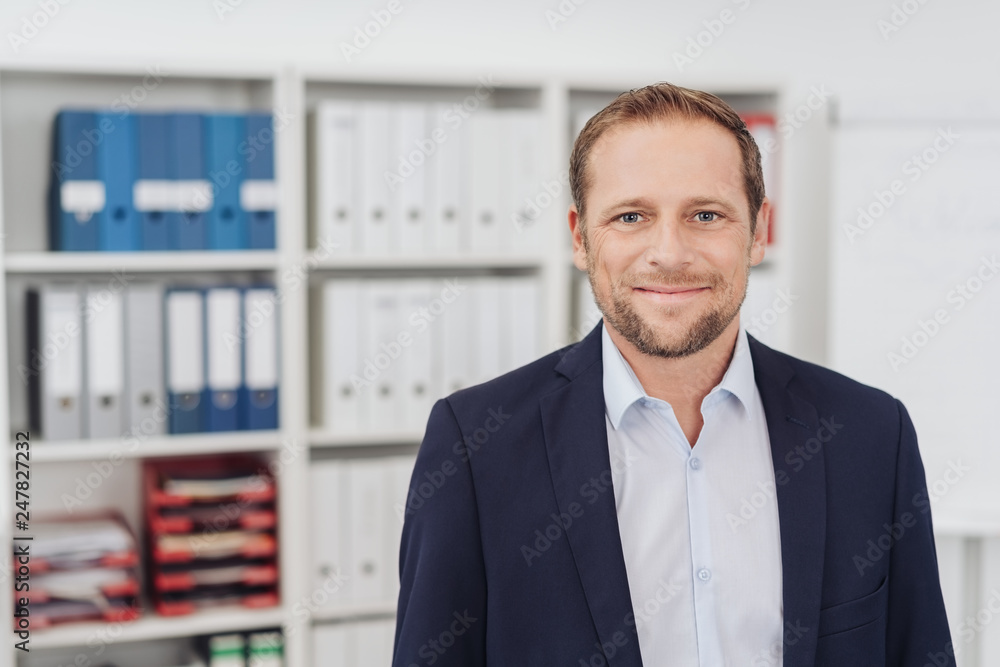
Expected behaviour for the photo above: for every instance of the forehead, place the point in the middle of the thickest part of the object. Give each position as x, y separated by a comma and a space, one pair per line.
695, 157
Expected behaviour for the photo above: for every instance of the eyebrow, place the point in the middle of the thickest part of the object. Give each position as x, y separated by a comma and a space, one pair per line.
628, 203
712, 201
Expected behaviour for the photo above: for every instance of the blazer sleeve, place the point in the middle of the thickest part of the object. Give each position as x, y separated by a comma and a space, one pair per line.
441, 614
917, 627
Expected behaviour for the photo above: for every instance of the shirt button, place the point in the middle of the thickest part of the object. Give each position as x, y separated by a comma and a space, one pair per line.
695, 463
704, 574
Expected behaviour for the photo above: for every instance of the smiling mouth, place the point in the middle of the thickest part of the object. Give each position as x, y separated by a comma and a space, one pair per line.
670, 290
670, 294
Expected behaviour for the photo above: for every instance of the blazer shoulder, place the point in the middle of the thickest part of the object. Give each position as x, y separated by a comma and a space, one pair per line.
520, 387
820, 383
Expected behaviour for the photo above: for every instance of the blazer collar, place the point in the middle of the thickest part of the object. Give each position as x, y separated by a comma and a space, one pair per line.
576, 442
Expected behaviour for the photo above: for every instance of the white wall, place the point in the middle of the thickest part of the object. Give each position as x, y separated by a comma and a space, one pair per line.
949, 46
941, 57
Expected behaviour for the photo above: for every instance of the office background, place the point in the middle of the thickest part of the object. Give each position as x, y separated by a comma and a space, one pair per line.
888, 134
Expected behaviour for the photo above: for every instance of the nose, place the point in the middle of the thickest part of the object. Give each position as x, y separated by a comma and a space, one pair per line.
668, 245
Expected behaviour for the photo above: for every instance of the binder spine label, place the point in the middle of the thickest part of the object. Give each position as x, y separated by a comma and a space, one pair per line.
155, 195
82, 197
258, 195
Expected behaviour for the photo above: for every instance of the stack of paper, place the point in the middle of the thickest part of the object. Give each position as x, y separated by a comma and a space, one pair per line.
81, 570
211, 529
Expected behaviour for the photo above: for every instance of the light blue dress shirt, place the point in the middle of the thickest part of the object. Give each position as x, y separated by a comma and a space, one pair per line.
699, 525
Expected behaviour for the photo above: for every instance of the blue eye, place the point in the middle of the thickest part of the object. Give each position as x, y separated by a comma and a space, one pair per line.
706, 216
629, 217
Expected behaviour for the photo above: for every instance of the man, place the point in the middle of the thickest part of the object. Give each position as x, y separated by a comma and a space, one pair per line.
669, 491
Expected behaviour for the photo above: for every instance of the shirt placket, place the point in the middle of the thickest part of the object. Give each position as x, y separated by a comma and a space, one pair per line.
704, 578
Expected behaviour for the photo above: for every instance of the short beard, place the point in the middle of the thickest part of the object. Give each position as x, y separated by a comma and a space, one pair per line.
620, 314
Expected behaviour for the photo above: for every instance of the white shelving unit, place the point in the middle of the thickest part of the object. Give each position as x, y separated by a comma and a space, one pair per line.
29, 98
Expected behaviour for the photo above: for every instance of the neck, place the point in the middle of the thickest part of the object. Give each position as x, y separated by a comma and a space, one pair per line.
683, 381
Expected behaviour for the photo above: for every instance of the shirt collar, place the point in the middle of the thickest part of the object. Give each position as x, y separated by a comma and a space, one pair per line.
622, 388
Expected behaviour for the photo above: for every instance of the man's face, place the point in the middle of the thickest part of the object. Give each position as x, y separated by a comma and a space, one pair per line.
668, 247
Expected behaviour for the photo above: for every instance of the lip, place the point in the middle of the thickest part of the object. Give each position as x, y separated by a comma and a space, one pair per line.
670, 294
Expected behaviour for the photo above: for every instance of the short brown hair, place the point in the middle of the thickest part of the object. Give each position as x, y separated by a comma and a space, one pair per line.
661, 101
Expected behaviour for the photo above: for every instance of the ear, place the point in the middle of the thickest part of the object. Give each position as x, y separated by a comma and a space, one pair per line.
579, 252
761, 233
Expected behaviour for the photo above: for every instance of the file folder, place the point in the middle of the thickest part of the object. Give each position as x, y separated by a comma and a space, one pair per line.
381, 398
154, 194
408, 190
485, 297
456, 342
116, 158
520, 319
400, 470
417, 382
258, 192
146, 407
77, 195
193, 190
337, 206
55, 334
104, 364
449, 186
373, 164
341, 353
522, 163
224, 347
367, 534
329, 514
260, 361
372, 643
185, 360
329, 644
486, 128
226, 220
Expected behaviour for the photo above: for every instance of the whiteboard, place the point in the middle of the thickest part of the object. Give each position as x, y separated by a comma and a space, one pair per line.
903, 265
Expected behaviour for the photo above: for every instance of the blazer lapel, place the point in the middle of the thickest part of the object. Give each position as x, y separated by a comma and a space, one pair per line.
801, 494
576, 441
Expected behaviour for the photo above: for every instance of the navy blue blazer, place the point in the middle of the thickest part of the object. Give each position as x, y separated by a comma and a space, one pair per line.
511, 555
